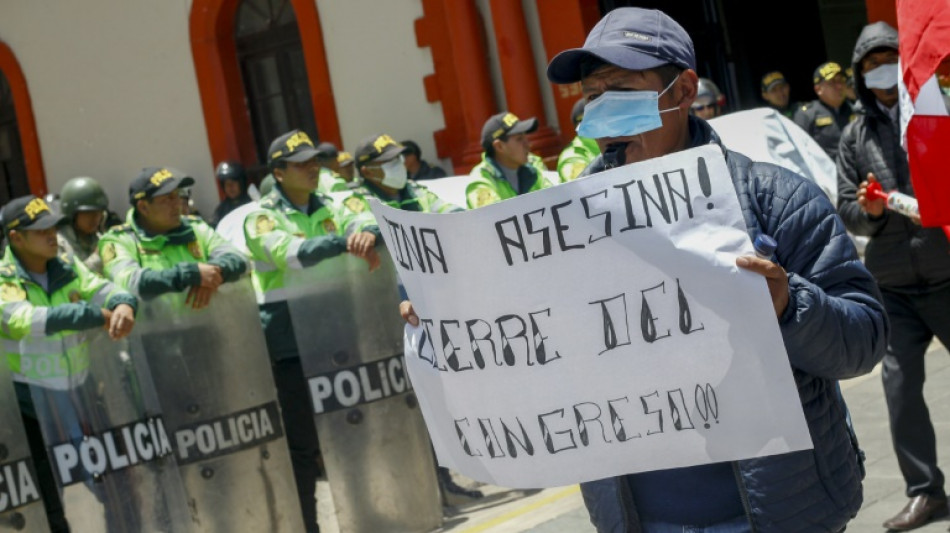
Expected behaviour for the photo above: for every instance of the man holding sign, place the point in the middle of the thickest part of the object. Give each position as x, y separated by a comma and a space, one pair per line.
637, 71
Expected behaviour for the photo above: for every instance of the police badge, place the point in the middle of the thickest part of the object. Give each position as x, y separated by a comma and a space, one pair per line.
108, 253
195, 249
329, 226
264, 224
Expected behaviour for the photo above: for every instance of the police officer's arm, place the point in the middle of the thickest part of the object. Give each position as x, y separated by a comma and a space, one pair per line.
437, 204
856, 219
221, 253
105, 295
120, 264
803, 119
281, 250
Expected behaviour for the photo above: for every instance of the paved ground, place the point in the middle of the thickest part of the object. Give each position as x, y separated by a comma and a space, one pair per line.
561, 510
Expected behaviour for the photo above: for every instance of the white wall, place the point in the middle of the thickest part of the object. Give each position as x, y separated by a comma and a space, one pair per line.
113, 89
376, 71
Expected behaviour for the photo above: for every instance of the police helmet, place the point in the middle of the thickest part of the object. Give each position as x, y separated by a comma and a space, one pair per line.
709, 89
82, 194
230, 170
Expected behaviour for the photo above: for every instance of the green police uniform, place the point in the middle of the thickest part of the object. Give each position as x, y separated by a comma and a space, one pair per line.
489, 186
152, 265
575, 157
824, 124
281, 239
41, 328
413, 197
330, 181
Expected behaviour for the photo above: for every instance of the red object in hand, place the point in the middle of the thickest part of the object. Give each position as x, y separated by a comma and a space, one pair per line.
898, 201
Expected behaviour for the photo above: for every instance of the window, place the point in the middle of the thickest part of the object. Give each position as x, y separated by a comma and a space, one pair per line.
273, 71
13, 179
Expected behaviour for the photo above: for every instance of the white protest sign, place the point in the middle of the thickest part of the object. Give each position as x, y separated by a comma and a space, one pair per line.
596, 328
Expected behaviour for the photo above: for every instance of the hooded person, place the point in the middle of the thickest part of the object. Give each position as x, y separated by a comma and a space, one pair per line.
911, 265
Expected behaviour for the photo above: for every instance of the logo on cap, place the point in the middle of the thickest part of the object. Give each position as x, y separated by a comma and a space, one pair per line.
637, 36
297, 139
829, 70
773, 77
160, 177
382, 142
35, 207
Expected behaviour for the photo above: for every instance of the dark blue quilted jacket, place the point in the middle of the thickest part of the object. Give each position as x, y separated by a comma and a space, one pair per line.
834, 328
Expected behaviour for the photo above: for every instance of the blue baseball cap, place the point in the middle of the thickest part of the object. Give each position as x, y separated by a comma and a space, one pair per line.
631, 38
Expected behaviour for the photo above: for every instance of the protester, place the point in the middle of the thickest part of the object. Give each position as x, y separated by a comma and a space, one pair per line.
577, 155
233, 180
777, 93
159, 250
84, 205
709, 100
826, 303
49, 300
296, 229
911, 265
418, 168
379, 161
825, 117
508, 167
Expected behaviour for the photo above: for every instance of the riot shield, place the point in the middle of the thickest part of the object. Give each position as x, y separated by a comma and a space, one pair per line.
374, 443
214, 381
21, 504
107, 441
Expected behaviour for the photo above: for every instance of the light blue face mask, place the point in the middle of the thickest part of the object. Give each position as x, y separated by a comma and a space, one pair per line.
882, 77
623, 114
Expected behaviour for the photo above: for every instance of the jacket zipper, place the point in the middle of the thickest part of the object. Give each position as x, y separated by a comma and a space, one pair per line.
744, 496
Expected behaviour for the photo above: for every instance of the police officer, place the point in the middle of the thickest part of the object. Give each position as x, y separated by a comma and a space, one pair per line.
295, 229
330, 179
825, 117
709, 100
776, 92
508, 168
582, 150
48, 299
233, 180
158, 250
83, 204
379, 160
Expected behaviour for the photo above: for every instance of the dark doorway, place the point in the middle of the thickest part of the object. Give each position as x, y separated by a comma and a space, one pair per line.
13, 179
275, 76
737, 41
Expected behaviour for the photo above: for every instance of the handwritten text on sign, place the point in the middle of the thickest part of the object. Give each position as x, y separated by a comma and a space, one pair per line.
597, 328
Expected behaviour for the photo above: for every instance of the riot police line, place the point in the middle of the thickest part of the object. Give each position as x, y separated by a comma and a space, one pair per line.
178, 427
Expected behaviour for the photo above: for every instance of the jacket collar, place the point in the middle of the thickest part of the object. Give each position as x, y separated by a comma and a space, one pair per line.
277, 200
183, 234
58, 269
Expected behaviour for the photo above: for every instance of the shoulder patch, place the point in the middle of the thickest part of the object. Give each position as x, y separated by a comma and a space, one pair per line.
108, 253
823, 121
264, 224
8, 270
355, 204
12, 292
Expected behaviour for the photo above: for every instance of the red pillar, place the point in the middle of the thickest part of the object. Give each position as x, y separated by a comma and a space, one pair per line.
26, 123
564, 25
885, 10
518, 73
461, 82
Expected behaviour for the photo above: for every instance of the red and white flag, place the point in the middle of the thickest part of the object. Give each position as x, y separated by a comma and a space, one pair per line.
925, 125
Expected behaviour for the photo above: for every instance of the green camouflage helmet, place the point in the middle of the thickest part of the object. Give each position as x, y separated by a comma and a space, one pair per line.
82, 194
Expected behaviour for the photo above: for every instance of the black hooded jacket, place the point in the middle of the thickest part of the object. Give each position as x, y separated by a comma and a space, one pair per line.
902, 256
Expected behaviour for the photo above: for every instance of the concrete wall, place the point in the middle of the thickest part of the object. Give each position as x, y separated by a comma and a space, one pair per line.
113, 89
376, 70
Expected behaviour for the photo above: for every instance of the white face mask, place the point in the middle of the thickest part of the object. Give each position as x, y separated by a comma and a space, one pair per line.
394, 173
882, 77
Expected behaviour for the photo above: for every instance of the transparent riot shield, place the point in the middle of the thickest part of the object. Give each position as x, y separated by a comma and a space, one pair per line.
214, 381
21, 503
107, 442
374, 443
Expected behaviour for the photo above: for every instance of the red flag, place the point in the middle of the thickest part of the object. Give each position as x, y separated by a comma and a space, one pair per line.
924, 39
924, 42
